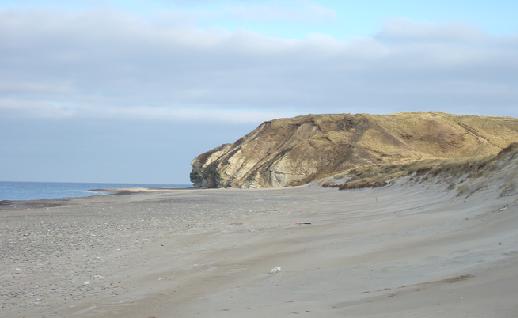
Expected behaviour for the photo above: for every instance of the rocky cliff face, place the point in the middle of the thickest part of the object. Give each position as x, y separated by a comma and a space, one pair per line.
290, 152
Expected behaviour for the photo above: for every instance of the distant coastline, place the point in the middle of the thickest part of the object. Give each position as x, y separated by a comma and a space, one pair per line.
26, 191
139, 189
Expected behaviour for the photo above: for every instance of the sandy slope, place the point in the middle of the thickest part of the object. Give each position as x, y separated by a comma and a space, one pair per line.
408, 250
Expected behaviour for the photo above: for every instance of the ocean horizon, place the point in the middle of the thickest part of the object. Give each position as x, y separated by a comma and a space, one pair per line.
32, 190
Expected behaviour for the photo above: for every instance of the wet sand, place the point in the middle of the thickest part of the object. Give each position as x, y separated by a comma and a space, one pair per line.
407, 250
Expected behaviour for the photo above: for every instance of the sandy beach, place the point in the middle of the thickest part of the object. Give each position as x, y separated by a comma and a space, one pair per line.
407, 250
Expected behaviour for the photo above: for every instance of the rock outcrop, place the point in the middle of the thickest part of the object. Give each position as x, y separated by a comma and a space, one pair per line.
334, 148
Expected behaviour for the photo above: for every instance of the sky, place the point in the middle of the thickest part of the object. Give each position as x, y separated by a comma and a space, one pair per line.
131, 91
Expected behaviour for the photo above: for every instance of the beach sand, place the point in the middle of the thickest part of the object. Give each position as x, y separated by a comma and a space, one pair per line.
407, 250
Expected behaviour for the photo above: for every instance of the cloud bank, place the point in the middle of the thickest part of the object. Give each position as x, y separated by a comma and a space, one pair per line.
107, 64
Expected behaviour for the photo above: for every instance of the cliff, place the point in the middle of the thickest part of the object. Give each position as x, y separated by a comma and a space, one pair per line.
332, 149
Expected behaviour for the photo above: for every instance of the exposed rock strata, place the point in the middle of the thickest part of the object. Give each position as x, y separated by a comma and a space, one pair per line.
332, 148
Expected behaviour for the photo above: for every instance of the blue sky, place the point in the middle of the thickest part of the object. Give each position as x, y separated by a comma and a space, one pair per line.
131, 91
347, 18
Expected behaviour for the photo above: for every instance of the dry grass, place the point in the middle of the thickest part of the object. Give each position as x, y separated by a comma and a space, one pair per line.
451, 172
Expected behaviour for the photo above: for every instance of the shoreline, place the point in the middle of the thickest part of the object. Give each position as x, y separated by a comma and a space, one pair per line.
124, 191
136, 190
29, 191
50, 202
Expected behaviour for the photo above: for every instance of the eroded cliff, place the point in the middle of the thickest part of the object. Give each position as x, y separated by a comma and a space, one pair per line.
295, 151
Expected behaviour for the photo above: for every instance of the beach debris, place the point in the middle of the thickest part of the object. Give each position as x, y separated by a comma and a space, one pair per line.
502, 209
303, 223
275, 270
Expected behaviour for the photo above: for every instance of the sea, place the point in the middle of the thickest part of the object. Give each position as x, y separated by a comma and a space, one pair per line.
62, 190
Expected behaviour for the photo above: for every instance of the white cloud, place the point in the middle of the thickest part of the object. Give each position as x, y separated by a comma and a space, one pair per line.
49, 109
403, 29
298, 11
7, 87
108, 64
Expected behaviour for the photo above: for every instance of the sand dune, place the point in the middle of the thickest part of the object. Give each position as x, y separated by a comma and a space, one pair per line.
416, 248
